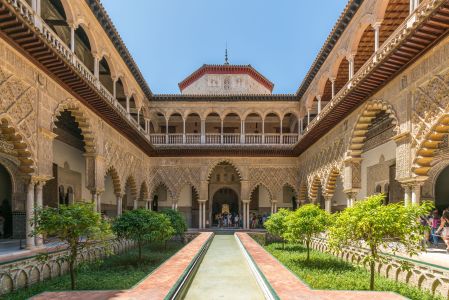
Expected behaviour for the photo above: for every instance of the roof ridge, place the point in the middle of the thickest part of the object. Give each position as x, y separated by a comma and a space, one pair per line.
329, 44
103, 18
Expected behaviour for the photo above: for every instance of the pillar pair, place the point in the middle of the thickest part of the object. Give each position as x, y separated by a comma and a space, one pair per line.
202, 214
34, 201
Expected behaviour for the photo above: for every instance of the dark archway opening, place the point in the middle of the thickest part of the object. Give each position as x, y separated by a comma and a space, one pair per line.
225, 202
155, 204
442, 190
5, 203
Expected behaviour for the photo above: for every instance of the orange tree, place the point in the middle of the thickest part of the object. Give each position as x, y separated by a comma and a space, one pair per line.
373, 225
76, 224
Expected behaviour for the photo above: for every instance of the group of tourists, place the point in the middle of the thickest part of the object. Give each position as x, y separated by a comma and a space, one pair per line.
439, 228
234, 220
257, 221
228, 220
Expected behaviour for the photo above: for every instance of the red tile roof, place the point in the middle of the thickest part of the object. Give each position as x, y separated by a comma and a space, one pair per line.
226, 69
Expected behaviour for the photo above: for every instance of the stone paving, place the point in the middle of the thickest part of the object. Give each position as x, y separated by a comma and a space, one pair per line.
155, 286
289, 286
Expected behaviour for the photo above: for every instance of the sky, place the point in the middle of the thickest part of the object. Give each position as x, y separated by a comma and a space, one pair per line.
169, 39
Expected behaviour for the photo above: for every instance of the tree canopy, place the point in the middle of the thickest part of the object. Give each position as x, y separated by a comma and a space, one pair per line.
371, 224
304, 223
76, 224
142, 225
276, 223
177, 221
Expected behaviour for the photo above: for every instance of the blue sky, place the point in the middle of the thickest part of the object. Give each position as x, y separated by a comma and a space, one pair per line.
169, 39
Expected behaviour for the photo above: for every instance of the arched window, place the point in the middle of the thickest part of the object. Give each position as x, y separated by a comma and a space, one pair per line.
83, 48
105, 76
53, 14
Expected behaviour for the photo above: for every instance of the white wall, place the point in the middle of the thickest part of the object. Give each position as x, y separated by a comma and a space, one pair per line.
108, 196
371, 158
210, 84
339, 197
63, 153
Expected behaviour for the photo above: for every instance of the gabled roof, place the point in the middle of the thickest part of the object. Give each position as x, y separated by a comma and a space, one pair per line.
226, 69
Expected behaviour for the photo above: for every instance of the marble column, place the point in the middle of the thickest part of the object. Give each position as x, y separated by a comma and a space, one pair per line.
30, 216
39, 204
328, 203
407, 195
119, 204
416, 194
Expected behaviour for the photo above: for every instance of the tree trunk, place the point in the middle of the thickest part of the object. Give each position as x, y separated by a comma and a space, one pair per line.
372, 266
308, 249
72, 262
140, 249
371, 283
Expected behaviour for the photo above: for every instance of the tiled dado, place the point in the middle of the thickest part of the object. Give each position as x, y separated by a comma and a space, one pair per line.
287, 286
155, 286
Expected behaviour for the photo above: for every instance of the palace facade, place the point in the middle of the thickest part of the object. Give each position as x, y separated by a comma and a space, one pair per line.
78, 122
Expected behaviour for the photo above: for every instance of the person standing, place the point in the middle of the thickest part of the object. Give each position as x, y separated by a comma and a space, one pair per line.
236, 220
435, 221
444, 229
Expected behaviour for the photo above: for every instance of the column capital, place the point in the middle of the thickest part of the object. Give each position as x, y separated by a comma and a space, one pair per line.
376, 24
202, 201
413, 181
246, 201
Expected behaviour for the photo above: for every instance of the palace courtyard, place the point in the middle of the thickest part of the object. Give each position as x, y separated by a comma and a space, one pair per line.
111, 191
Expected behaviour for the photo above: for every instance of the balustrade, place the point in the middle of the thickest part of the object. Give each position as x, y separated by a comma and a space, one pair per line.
226, 138
231, 138
157, 138
175, 138
253, 138
193, 138
213, 138
272, 138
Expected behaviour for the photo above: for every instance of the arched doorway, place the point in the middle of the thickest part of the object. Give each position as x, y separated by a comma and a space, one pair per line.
69, 163
224, 202
442, 190
224, 192
6, 202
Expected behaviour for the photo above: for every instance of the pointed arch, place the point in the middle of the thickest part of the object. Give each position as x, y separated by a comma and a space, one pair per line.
367, 115
115, 179
331, 181
212, 167
19, 146
143, 195
290, 185
303, 194
314, 187
427, 150
84, 123
130, 184
257, 184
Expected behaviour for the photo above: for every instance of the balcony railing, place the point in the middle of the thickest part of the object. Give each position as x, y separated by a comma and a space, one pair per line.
24, 9
28, 13
376, 58
223, 139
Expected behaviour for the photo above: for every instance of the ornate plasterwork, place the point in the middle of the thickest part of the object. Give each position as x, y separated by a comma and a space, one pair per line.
174, 178
18, 114
429, 120
272, 178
